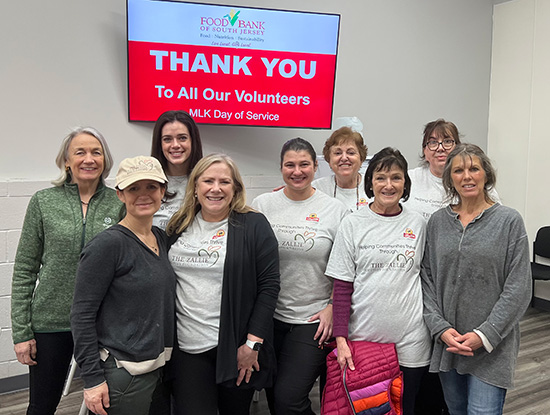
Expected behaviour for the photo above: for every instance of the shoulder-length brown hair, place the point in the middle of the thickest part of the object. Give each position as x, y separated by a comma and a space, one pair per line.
441, 129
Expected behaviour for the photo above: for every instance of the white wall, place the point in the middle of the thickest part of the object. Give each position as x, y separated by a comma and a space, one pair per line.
519, 138
401, 63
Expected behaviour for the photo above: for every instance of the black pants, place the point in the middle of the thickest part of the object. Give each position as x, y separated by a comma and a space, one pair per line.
429, 400
300, 362
412, 378
47, 377
195, 389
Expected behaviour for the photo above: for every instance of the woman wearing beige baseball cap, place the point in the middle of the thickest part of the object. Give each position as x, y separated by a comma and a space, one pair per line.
123, 311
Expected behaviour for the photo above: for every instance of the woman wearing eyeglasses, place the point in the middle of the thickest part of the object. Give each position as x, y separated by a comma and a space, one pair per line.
427, 193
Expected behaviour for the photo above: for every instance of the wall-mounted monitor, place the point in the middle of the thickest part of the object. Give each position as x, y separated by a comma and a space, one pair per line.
230, 64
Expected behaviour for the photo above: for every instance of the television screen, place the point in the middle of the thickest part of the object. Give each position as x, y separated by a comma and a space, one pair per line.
230, 64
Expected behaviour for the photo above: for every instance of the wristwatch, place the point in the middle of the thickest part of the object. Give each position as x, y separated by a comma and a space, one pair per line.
256, 346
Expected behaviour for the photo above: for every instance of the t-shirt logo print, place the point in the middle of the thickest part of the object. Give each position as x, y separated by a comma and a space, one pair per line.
212, 252
219, 234
409, 234
312, 217
405, 260
306, 239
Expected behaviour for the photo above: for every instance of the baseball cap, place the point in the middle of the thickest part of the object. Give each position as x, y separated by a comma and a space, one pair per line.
138, 168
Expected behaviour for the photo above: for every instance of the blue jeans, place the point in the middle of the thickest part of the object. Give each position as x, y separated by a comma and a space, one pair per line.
468, 395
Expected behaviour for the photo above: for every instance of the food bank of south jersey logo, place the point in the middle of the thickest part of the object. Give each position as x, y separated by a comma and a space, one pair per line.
232, 23
312, 217
233, 17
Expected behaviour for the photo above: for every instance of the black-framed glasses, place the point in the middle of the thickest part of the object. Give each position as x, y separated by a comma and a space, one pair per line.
447, 144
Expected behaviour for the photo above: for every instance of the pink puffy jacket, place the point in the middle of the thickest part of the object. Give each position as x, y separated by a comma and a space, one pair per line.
375, 387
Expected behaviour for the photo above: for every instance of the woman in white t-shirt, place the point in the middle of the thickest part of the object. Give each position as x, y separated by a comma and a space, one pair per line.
440, 137
305, 222
177, 145
344, 151
227, 265
375, 262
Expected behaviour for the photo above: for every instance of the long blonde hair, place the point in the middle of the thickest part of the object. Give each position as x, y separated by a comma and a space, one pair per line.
190, 206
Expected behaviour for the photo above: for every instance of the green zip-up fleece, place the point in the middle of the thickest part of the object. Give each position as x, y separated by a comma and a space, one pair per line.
53, 235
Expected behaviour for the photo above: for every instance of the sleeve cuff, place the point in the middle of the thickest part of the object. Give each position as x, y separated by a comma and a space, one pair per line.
486, 343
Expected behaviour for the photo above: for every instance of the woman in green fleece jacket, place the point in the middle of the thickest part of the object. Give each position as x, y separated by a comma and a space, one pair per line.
59, 221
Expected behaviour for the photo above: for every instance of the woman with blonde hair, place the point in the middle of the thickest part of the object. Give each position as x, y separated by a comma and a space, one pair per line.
227, 264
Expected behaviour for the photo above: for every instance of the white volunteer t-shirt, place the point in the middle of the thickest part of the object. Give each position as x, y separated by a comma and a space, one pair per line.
427, 192
177, 185
198, 258
354, 199
305, 231
382, 257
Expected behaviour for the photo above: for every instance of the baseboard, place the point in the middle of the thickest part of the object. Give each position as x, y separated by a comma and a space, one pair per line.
15, 383
541, 304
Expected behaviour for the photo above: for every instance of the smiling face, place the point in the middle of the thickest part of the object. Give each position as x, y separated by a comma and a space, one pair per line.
85, 159
388, 187
468, 177
436, 158
345, 160
142, 198
176, 147
298, 170
215, 190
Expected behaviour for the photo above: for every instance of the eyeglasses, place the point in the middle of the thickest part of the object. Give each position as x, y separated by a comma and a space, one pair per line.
447, 144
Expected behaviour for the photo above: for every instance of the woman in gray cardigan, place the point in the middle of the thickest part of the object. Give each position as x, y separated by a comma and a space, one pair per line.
476, 284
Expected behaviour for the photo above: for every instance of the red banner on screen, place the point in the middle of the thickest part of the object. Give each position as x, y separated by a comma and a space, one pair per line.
225, 85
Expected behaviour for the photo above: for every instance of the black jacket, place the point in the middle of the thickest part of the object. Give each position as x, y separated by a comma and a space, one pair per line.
249, 296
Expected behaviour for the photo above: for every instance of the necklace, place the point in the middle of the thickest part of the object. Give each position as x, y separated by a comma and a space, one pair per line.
84, 203
142, 238
356, 190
